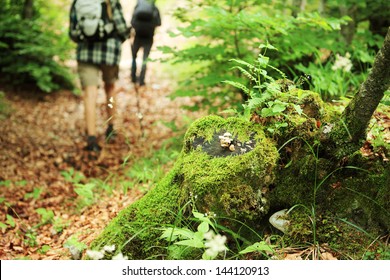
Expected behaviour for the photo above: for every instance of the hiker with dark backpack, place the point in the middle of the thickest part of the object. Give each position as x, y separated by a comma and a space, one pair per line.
145, 19
99, 29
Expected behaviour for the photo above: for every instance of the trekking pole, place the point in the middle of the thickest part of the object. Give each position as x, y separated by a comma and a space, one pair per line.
137, 95
139, 114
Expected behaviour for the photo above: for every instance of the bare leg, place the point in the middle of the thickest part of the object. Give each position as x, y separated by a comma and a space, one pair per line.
90, 95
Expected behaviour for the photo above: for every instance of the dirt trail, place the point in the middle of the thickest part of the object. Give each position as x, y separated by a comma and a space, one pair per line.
44, 135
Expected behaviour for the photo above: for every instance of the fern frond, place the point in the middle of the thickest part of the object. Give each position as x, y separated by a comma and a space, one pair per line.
239, 86
246, 73
244, 63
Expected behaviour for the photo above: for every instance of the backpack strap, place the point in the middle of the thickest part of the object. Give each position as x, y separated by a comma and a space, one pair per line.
109, 10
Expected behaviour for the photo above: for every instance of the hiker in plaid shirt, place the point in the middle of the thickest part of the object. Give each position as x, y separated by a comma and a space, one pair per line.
93, 58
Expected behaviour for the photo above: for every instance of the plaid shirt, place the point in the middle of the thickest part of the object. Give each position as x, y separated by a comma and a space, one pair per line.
106, 52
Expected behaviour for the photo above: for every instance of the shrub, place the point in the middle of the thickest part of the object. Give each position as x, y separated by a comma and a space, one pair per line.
32, 51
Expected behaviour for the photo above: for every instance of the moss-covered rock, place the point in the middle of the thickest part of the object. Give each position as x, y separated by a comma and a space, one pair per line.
227, 181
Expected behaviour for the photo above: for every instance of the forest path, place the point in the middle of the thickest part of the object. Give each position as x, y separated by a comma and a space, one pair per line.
44, 136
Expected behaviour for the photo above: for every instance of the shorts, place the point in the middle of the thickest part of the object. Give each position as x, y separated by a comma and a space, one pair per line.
90, 74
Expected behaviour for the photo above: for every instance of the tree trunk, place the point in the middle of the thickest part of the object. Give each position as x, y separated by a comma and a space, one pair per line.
348, 134
321, 7
298, 3
28, 9
349, 30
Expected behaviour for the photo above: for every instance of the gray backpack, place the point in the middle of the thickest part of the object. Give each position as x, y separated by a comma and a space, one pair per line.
93, 20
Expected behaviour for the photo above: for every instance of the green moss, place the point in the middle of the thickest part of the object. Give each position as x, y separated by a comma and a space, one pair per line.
341, 239
227, 185
135, 231
234, 185
304, 116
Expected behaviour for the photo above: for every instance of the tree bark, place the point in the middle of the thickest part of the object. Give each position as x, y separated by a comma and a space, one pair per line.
351, 130
28, 9
349, 30
321, 7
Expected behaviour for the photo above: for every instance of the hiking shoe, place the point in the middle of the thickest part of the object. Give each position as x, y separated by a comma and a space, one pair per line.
110, 132
92, 145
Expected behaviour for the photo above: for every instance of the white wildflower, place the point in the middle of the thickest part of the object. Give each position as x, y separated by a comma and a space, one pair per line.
343, 63
75, 252
139, 115
215, 244
119, 257
109, 249
95, 255
209, 235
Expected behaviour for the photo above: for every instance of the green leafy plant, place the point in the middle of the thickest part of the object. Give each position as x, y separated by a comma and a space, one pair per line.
30, 238
72, 176
47, 216
32, 51
35, 194
44, 249
203, 238
266, 95
59, 224
204, 235
234, 30
150, 169
75, 247
86, 195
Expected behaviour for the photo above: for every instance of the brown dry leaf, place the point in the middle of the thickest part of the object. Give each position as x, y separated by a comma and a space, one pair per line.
295, 257
327, 256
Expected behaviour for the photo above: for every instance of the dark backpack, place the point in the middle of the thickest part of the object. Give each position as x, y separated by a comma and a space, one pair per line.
93, 20
144, 18
144, 10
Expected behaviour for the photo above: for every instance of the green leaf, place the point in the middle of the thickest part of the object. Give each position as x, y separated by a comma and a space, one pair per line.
10, 220
298, 109
267, 46
195, 243
278, 108
171, 234
44, 249
198, 215
203, 227
46, 215
3, 226
263, 60
257, 247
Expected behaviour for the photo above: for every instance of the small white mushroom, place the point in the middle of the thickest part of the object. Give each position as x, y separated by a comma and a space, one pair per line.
226, 140
231, 148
